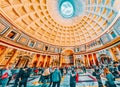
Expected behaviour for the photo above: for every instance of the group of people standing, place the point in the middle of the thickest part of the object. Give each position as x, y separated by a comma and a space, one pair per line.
109, 72
19, 75
54, 75
5, 76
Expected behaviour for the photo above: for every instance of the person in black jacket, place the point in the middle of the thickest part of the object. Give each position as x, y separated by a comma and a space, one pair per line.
73, 79
61, 70
17, 77
24, 77
29, 70
10, 77
1, 70
116, 72
97, 73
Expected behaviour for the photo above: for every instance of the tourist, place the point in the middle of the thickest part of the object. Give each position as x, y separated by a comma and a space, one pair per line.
46, 73
18, 73
56, 77
61, 70
24, 77
45, 76
10, 76
73, 78
5, 76
110, 78
35, 70
51, 71
97, 73
116, 71
1, 70
84, 69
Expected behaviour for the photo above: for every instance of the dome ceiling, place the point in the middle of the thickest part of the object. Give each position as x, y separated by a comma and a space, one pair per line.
61, 22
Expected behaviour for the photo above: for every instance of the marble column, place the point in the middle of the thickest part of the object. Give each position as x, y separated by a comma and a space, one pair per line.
33, 60
60, 60
93, 59
51, 60
74, 58
12, 58
2, 56
88, 60
45, 60
112, 55
39, 59
118, 52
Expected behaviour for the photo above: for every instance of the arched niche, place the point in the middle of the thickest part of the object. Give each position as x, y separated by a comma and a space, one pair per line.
105, 59
67, 56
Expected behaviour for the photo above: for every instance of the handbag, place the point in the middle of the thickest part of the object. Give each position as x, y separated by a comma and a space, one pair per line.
5, 75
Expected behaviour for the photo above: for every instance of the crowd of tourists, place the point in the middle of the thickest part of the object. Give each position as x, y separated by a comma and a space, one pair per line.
53, 75
110, 72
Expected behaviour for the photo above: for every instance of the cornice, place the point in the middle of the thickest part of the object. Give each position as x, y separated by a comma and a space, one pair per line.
11, 44
108, 45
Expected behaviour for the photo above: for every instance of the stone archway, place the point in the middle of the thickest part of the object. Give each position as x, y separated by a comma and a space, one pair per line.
67, 57
104, 59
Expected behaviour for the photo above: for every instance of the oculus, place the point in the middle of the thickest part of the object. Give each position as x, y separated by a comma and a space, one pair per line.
67, 9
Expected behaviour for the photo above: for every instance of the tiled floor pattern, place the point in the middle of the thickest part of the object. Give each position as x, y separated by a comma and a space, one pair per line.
84, 81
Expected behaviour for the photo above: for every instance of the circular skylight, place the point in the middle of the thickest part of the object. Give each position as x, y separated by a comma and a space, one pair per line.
67, 9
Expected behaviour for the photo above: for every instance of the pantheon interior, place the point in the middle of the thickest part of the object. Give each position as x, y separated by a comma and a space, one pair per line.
62, 33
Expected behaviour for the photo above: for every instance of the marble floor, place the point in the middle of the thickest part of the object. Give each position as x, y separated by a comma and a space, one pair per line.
85, 80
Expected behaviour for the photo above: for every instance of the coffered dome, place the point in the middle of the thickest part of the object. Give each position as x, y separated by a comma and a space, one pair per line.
61, 22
